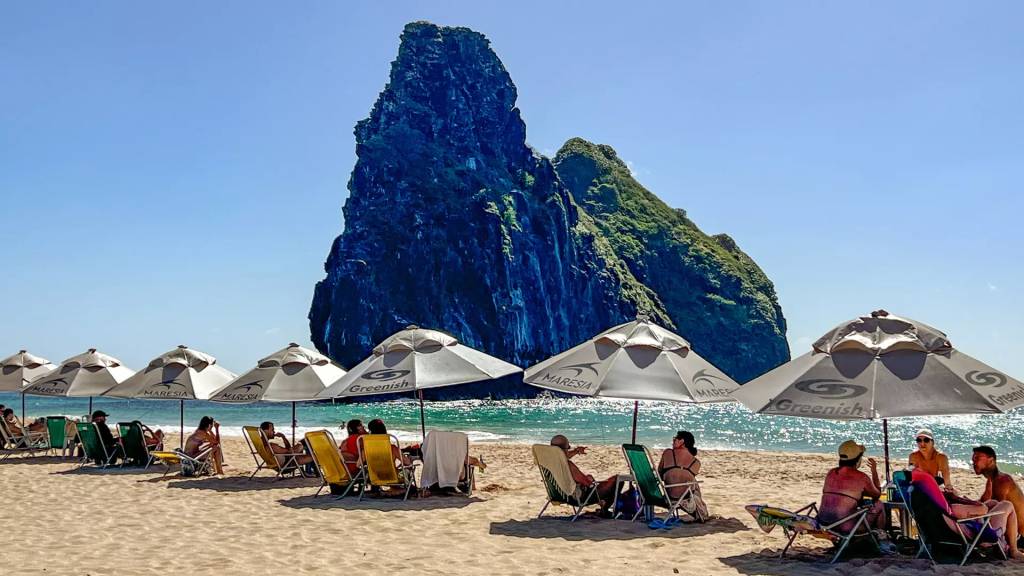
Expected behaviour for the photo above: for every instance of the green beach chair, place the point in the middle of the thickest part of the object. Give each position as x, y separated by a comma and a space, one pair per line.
133, 440
92, 447
653, 490
56, 428
558, 482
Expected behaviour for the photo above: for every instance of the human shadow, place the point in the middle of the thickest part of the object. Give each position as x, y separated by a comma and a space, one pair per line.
90, 470
804, 559
20, 459
596, 529
240, 483
381, 503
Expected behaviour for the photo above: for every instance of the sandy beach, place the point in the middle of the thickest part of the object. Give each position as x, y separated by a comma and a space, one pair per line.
99, 522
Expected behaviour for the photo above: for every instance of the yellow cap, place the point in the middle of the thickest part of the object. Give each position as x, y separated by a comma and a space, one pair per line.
850, 450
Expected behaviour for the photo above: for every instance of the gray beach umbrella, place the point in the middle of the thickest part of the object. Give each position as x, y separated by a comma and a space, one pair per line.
415, 359
292, 374
180, 374
637, 360
882, 366
18, 370
88, 374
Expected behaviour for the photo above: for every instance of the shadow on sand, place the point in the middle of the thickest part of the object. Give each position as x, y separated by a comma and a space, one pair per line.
382, 503
37, 460
242, 483
596, 529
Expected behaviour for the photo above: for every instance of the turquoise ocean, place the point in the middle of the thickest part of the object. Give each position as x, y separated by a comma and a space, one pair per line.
584, 420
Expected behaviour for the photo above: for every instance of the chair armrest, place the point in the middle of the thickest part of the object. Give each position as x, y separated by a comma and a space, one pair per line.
694, 483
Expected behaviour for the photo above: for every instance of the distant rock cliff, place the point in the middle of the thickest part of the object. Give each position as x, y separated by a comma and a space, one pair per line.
454, 223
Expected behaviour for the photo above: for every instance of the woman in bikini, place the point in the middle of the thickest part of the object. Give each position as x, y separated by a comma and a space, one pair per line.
679, 463
207, 436
928, 458
846, 487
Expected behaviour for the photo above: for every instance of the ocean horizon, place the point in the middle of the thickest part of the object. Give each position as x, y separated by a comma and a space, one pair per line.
727, 426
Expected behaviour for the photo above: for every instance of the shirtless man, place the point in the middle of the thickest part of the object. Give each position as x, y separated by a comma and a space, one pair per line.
999, 486
846, 486
286, 449
605, 488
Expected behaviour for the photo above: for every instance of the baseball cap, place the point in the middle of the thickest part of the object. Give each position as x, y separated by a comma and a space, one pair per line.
850, 450
99, 413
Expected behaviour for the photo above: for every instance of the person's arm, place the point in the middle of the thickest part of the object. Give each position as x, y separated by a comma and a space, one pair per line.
912, 460
579, 477
874, 489
695, 467
661, 463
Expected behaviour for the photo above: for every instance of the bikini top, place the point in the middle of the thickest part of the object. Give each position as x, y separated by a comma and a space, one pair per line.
675, 465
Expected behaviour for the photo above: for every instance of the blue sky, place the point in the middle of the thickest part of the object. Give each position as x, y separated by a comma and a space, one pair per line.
174, 173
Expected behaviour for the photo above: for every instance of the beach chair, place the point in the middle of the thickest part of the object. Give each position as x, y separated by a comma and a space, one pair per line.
804, 522
381, 467
26, 442
653, 490
133, 440
259, 447
933, 530
199, 465
93, 448
328, 461
558, 481
57, 431
444, 462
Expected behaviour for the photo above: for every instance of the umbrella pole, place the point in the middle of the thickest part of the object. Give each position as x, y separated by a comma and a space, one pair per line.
636, 409
885, 437
423, 419
181, 430
90, 405
293, 423
22, 408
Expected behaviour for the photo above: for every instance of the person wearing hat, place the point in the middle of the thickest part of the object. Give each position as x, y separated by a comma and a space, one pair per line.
928, 458
846, 487
113, 445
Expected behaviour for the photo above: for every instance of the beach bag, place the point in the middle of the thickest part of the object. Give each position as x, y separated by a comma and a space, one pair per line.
188, 468
695, 506
628, 503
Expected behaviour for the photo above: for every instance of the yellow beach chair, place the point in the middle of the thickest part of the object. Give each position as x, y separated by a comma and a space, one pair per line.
259, 447
328, 461
380, 465
198, 466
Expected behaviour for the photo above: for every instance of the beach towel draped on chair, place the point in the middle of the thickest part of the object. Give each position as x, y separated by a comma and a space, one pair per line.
444, 461
804, 522
558, 481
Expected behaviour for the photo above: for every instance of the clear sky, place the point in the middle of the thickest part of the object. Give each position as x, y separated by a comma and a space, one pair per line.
174, 173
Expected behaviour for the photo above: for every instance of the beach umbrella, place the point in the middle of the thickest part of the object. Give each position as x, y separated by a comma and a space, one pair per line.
636, 361
882, 366
180, 374
415, 359
18, 370
88, 374
292, 374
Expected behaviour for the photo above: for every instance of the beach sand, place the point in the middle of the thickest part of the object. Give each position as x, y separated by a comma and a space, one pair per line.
101, 522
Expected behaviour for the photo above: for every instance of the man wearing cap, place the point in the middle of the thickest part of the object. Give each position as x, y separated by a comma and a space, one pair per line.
927, 458
113, 445
846, 487
999, 486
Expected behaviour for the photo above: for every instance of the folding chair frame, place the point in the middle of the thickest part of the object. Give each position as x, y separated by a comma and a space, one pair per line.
289, 465
30, 442
674, 506
107, 456
358, 478
861, 515
406, 473
142, 437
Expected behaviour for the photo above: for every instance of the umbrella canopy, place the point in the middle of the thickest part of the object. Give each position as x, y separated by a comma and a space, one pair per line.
882, 366
88, 374
292, 374
416, 359
638, 361
18, 370
179, 374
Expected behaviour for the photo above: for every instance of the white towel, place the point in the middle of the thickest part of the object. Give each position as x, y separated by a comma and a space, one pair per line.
554, 460
444, 458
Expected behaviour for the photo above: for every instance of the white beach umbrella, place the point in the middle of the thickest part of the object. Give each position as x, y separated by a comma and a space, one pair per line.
180, 374
882, 366
292, 374
18, 370
415, 359
88, 374
637, 361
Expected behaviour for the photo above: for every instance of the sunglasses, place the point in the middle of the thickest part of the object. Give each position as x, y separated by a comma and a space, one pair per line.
922, 440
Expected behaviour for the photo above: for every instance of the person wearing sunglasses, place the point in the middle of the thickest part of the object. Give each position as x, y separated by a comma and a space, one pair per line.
927, 458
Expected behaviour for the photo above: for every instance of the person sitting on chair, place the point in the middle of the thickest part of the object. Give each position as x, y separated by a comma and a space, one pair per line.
154, 438
113, 445
207, 436
280, 450
999, 486
349, 448
15, 426
928, 458
846, 487
679, 464
377, 426
605, 488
